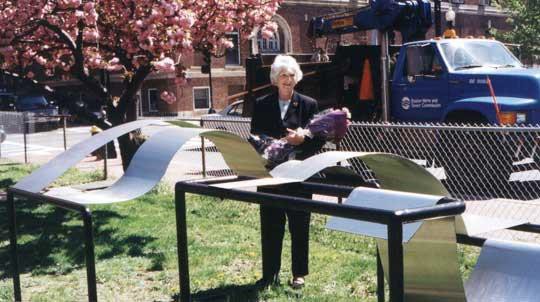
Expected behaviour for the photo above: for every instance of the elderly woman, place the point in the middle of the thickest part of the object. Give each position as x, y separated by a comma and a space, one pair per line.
279, 115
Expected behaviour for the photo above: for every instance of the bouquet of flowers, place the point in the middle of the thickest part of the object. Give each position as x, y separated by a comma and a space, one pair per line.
329, 125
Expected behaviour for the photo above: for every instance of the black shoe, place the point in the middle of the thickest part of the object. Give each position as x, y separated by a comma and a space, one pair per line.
267, 282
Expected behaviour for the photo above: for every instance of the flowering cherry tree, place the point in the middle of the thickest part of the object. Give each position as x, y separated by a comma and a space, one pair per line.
129, 37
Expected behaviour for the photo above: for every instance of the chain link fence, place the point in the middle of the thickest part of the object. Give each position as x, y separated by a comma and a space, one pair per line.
21, 127
12, 122
473, 161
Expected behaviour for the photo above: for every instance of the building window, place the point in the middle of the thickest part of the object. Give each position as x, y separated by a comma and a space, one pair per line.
201, 97
271, 45
152, 99
232, 55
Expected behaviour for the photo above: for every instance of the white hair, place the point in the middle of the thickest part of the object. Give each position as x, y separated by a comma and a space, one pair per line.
285, 63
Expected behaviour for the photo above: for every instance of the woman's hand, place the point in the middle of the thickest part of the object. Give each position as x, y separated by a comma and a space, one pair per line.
294, 137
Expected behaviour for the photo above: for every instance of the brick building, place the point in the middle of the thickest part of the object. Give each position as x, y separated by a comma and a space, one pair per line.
473, 17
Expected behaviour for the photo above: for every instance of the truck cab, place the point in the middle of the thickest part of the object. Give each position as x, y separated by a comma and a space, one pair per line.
448, 81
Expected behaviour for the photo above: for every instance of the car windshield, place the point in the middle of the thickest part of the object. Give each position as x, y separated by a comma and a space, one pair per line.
30, 102
467, 54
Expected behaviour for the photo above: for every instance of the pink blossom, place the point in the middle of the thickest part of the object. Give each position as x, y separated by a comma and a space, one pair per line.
168, 97
267, 34
226, 43
165, 65
41, 60
143, 33
91, 35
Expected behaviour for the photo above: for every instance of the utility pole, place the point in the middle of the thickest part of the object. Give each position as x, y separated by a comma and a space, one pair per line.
207, 68
437, 9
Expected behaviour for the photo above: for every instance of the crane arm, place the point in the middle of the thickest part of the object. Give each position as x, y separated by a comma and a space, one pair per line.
412, 18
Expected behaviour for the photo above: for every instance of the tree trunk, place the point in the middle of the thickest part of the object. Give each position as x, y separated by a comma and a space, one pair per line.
126, 111
129, 143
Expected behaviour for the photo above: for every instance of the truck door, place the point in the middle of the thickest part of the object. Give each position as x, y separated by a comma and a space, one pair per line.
420, 85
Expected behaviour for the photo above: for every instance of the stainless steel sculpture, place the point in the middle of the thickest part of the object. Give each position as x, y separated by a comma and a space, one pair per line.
505, 271
147, 166
431, 268
50, 171
431, 271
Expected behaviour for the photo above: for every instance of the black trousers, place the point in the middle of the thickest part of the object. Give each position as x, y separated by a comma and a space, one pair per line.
272, 233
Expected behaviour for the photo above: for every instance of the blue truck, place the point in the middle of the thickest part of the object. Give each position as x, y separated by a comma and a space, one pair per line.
437, 80
463, 81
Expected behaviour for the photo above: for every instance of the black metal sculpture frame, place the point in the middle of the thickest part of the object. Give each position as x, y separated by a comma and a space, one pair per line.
394, 221
86, 216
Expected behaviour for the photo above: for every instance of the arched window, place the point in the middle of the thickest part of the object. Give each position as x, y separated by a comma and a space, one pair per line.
280, 43
271, 45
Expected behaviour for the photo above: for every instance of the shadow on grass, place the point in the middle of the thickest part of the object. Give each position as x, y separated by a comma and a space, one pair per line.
51, 239
228, 293
9, 164
6, 182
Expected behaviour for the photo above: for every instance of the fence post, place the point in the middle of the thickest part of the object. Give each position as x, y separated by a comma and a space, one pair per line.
25, 131
105, 165
2, 138
203, 152
338, 148
64, 130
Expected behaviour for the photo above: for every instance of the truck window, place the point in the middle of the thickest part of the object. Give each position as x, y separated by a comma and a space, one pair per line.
462, 58
462, 54
422, 60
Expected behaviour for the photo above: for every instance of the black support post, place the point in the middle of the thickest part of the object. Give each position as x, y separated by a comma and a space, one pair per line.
13, 247
395, 261
182, 245
89, 255
380, 278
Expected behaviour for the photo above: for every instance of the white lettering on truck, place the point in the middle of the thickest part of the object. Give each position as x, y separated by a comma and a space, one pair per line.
407, 103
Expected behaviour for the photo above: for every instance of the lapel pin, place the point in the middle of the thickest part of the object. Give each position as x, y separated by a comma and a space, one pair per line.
295, 104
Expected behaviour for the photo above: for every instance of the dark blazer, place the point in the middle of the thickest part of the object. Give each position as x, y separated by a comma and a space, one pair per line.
266, 120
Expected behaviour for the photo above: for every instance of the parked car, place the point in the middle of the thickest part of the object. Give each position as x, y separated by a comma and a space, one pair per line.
7, 101
232, 110
42, 108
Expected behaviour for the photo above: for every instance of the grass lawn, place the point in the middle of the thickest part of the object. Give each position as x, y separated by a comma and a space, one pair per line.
136, 252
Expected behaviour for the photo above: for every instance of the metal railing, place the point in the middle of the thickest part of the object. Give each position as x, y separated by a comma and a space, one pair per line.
394, 220
473, 161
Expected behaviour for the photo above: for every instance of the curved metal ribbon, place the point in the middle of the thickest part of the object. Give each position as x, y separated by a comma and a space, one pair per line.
50, 171
148, 165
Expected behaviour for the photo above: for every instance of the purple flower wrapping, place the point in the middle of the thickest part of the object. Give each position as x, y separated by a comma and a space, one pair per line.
331, 125
276, 151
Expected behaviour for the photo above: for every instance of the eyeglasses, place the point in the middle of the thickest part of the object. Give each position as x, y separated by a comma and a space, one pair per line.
286, 75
